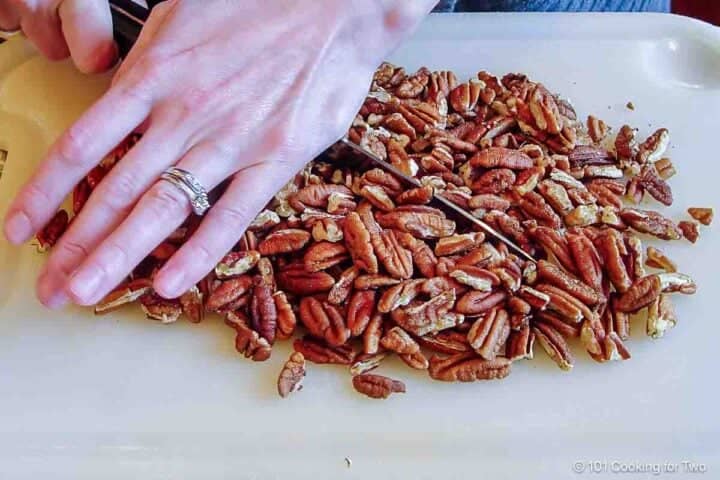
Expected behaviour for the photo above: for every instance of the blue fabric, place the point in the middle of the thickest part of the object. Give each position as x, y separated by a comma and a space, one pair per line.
553, 6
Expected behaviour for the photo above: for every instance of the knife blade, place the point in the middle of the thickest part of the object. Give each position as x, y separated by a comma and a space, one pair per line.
449, 205
128, 19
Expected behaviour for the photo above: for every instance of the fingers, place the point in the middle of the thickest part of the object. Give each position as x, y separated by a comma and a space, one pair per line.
9, 18
79, 149
87, 27
109, 204
220, 230
42, 27
158, 213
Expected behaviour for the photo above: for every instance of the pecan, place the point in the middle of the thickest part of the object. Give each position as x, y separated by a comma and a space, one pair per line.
689, 230
317, 196
372, 334
192, 306
617, 321
448, 341
556, 195
566, 328
377, 197
80, 195
247, 341
377, 386
324, 320
263, 312
286, 319
647, 221
458, 243
360, 310
380, 178
395, 122
535, 298
489, 333
488, 202
296, 280
625, 144
468, 367
564, 304
641, 294
677, 282
416, 196
429, 223
527, 180
650, 181
357, 239
555, 245
237, 263
494, 181
125, 294
555, 345
475, 277
476, 302
702, 215
326, 229
340, 291
575, 287
291, 375
396, 259
587, 260
228, 292
584, 155
429, 317
657, 259
535, 206
51, 233
413, 85
498, 157
597, 129
520, 344
465, 96
284, 241
653, 148
398, 340
371, 282
399, 295
582, 216
264, 220
665, 168
323, 255
317, 352
661, 316
416, 360
366, 362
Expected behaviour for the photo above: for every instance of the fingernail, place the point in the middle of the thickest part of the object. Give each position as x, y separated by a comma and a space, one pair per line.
170, 283
50, 294
18, 228
84, 284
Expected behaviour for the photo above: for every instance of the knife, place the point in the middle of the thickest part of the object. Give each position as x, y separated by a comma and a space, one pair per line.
128, 20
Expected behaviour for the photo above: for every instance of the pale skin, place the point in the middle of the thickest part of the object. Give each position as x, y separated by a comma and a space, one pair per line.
241, 90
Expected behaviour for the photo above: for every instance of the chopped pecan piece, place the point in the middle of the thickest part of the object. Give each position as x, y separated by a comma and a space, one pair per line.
657, 259
51, 233
689, 230
248, 341
468, 367
377, 386
597, 129
654, 147
192, 306
702, 215
520, 344
647, 221
292, 375
366, 362
494, 181
372, 334
125, 294
661, 316
475, 277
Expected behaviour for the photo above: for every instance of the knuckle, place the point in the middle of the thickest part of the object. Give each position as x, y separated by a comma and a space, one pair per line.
120, 193
72, 146
236, 217
166, 201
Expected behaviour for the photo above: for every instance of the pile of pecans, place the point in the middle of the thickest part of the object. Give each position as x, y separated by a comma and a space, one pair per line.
367, 268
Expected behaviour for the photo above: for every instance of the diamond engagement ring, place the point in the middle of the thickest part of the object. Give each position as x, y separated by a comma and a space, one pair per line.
190, 186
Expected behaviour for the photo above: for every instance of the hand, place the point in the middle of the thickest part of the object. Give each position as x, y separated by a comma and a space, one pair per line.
58, 28
250, 90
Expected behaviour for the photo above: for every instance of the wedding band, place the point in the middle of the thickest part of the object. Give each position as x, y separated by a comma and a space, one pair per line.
190, 186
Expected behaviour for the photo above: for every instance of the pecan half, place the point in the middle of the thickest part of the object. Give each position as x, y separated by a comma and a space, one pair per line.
323, 255
317, 352
263, 312
494, 181
575, 287
192, 304
291, 375
498, 157
489, 333
641, 294
125, 294
653, 148
296, 280
475, 277
458, 243
400, 295
422, 255
324, 320
228, 292
357, 240
625, 143
477, 302
468, 367
555, 345
520, 344
429, 223
372, 334
429, 317
237, 263
342, 288
398, 340
609, 246
597, 129
366, 362
377, 386
248, 341
653, 223
397, 260
286, 319
360, 310
587, 260
284, 241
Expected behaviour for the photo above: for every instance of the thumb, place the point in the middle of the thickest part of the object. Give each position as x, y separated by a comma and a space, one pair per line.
87, 27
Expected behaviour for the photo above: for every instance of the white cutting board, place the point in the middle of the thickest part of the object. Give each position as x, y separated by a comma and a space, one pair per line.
123, 397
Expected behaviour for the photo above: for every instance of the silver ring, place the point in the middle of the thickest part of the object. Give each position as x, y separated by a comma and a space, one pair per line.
190, 186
